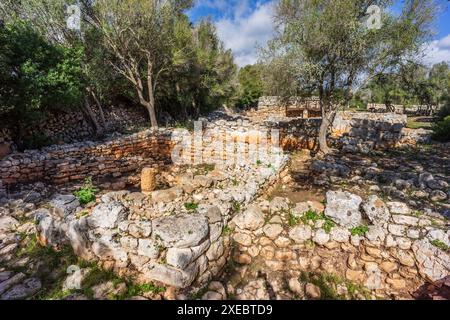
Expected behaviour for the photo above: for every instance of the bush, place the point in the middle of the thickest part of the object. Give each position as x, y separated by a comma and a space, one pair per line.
442, 130
87, 193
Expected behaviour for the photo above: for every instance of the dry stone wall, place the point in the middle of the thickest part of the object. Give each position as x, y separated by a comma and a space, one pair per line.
220, 140
69, 127
157, 237
74, 162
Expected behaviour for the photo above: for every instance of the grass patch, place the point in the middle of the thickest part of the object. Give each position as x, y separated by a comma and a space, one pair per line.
86, 194
415, 123
441, 245
328, 286
313, 216
226, 230
191, 206
236, 206
359, 231
204, 169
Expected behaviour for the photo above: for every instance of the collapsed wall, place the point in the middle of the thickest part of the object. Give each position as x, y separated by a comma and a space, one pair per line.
127, 154
157, 236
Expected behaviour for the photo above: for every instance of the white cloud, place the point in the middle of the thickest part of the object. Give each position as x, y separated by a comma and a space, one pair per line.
243, 27
437, 51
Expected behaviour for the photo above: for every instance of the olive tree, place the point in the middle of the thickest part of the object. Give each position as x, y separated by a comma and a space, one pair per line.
139, 35
330, 48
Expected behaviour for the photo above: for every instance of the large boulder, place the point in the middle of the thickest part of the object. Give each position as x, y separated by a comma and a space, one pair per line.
376, 211
64, 205
108, 215
251, 219
343, 208
433, 263
181, 231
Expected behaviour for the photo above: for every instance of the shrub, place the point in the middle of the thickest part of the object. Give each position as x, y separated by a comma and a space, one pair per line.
442, 130
86, 194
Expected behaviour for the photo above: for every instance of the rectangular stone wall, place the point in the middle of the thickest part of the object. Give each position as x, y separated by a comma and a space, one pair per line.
73, 162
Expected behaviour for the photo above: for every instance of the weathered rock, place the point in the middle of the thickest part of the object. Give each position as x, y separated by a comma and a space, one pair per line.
243, 239
321, 237
340, 234
172, 276
148, 248
166, 195
343, 208
11, 281
64, 205
300, 234
251, 219
140, 229
24, 290
398, 208
254, 290
272, 230
107, 215
181, 231
277, 204
74, 281
8, 223
312, 291
432, 263
376, 211
181, 258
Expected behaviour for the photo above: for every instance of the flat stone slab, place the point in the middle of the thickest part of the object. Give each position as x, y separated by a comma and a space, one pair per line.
181, 231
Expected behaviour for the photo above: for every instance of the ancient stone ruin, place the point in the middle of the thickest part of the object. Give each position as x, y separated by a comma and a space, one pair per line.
185, 212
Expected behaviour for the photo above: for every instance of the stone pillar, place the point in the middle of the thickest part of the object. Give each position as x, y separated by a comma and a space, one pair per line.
148, 180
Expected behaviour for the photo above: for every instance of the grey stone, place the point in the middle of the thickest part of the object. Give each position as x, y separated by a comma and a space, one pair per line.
24, 290
321, 237
398, 207
181, 231
376, 211
181, 258
148, 248
433, 264
64, 205
108, 215
251, 219
172, 276
343, 208
300, 234
272, 230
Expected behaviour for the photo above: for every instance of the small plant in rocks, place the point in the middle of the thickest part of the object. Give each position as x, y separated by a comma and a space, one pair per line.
359, 231
441, 245
191, 206
86, 194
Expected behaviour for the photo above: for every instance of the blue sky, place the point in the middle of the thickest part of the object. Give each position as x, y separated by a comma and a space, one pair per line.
243, 25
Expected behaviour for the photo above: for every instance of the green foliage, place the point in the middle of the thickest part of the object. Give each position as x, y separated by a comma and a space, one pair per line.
36, 77
328, 286
191, 206
236, 206
293, 220
251, 86
441, 245
226, 230
359, 231
442, 130
86, 194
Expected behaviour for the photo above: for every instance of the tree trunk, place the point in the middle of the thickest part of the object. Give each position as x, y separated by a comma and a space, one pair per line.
324, 149
100, 108
151, 111
91, 115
